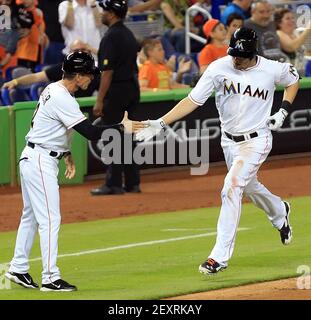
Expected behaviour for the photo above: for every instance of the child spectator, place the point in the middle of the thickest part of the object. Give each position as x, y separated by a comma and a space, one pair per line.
154, 74
215, 34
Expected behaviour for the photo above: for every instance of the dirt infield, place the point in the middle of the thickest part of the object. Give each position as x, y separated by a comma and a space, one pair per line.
162, 192
272, 290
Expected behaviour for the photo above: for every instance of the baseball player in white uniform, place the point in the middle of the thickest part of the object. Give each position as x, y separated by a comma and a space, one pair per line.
244, 85
48, 140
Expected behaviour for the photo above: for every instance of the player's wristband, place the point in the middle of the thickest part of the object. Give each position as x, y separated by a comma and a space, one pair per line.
162, 123
286, 105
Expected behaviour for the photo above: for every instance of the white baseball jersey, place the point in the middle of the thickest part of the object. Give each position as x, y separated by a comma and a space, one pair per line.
57, 112
243, 97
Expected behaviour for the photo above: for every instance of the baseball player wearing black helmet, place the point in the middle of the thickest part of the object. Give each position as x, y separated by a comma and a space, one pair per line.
47, 142
80, 62
243, 43
244, 85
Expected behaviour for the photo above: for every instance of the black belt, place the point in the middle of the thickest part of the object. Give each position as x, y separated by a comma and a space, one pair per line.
241, 138
54, 154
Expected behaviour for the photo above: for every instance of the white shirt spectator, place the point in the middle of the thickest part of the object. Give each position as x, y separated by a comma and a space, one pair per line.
84, 28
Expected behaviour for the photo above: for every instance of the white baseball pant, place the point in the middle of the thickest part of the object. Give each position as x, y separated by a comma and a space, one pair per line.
41, 212
243, 161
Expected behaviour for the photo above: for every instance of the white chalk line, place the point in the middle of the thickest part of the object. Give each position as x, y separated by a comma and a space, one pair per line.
133, 245
186, 229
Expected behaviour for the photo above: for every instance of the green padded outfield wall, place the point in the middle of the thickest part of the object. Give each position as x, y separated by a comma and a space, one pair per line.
5, 157
23, 115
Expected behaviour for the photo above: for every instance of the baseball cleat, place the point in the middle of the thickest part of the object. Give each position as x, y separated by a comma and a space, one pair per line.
286, 231
23, 279
210, 266
58, 285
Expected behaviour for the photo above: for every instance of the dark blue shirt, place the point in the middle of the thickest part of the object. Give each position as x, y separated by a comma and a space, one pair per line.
233, 8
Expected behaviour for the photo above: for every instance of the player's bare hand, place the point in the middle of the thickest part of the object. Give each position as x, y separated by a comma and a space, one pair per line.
98, 109
276, 121
70, 167
132, 126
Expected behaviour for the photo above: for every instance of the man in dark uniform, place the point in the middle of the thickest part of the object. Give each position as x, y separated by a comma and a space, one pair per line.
119, 89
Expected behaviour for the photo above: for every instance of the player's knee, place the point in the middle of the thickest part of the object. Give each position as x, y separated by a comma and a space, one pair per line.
227, 191
231, 187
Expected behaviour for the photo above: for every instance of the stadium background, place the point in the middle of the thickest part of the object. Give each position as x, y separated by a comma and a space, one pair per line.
104, 223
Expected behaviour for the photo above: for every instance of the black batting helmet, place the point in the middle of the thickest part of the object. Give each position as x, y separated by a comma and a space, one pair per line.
243, 43
80, 62
119, 7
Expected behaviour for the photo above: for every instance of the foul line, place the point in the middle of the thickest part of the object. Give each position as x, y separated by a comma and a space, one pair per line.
133, 245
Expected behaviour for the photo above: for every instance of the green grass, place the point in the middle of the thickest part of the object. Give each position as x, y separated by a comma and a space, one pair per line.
171, 268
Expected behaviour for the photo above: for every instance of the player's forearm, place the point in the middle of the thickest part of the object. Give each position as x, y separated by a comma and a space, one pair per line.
91, 132
291, 92
183, 108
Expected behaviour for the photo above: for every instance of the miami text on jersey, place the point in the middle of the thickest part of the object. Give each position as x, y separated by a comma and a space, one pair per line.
236, 88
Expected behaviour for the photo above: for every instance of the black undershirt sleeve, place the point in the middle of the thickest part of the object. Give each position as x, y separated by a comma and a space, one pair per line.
91, 132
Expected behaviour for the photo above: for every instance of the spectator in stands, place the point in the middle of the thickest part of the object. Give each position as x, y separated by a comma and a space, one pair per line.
9, 36
268, 41
291, 41
154, 74
54, 73
33, 39
200, 18
170, 60
174, 12
240, 7
80, 20
53, 53
215, 33
138, 6
234, 22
